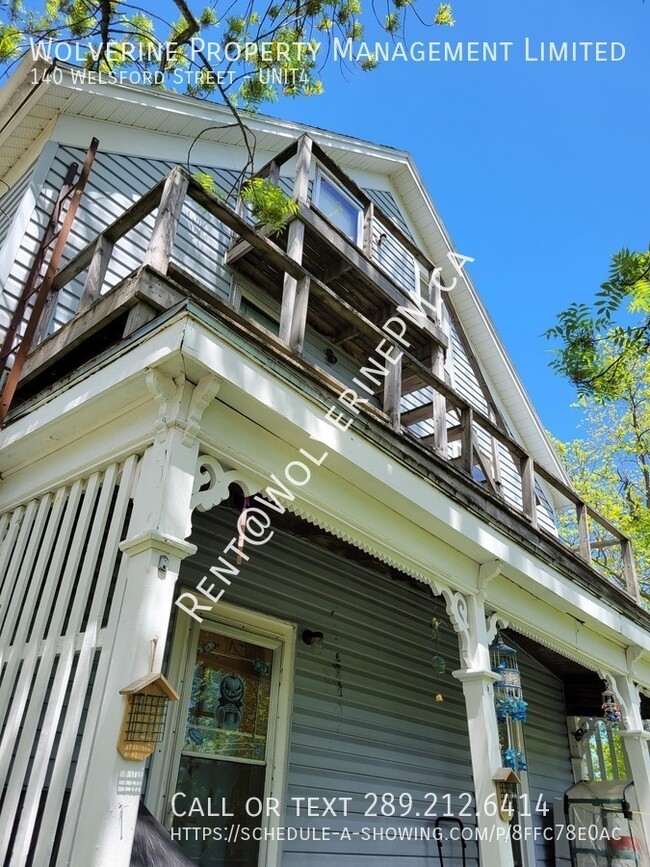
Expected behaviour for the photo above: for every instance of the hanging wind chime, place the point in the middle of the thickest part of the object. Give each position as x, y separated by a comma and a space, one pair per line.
508, 696
438, 663
611, 710
509, 702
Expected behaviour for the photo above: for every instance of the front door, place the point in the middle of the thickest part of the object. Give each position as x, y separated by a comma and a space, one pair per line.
227, 775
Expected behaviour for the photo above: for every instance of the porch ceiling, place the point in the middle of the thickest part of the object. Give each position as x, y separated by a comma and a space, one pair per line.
583, 688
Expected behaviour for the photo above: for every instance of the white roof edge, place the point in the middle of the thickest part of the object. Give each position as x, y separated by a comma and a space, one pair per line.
18, 90
19, 87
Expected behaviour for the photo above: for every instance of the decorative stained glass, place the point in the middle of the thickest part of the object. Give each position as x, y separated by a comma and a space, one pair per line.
229, 705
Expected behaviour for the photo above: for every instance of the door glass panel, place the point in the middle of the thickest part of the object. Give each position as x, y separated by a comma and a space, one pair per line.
224, 749
338, 209
211, 781
229, 705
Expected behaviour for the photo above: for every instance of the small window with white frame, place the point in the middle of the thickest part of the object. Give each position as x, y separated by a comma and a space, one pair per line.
340, 208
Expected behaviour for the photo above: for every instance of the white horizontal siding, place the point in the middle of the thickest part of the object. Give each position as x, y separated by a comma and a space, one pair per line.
364, 714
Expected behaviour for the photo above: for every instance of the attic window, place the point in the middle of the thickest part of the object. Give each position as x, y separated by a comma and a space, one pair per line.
338, 207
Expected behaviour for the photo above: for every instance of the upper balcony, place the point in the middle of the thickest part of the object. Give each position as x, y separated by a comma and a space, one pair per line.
340, 274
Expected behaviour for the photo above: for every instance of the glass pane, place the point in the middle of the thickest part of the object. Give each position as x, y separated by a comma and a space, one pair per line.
221, 788
338, 209
229, 706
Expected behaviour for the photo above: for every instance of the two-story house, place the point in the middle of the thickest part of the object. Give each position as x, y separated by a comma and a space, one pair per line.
295, 473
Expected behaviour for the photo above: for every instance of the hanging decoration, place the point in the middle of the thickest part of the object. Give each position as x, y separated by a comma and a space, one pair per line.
438, 662
611, 710
514, 759
508, 697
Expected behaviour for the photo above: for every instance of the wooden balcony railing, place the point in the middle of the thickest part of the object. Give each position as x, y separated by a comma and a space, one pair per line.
355, 300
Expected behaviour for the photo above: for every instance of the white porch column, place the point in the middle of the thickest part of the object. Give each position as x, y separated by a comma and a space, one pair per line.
467, 614
104, 801
635, 742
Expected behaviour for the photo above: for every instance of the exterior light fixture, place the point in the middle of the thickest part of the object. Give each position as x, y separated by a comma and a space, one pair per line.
505, 783
313, 639
145, 712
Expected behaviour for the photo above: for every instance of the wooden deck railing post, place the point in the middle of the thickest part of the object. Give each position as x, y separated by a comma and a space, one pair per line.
467, 439
528, 489
393, 394
96, 271
295, 293
438, 367
584, 543
368, 224
161, 245
274, 173
629, 569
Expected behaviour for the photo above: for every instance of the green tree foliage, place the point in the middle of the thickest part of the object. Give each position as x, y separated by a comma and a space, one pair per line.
610, 464
598, 343
268, 203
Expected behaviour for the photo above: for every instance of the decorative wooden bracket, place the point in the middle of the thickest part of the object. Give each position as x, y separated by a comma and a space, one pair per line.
204, 393
487, 572
211, 483
174, 408
457, 610
495, 622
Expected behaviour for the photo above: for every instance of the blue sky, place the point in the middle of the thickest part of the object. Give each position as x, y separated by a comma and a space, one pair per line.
539, 170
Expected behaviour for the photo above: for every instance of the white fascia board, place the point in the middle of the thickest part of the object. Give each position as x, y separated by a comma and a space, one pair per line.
19, 94
55, 425
70, 130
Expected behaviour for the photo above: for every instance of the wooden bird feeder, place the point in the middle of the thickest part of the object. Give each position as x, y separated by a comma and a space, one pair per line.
145, 711
506, 782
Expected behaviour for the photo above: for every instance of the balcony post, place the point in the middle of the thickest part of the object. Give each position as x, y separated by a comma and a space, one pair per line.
528, 489
159, 524
629, 569
466, 439
635, 743
160, 247
467, 615
96, 271
368, 224
274, 173
295, 293
438, 367
393, 394
583, 532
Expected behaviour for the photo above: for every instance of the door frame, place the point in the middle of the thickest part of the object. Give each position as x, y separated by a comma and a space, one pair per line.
281, 635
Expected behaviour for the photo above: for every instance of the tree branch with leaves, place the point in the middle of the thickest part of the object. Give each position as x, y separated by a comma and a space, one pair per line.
595, 349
